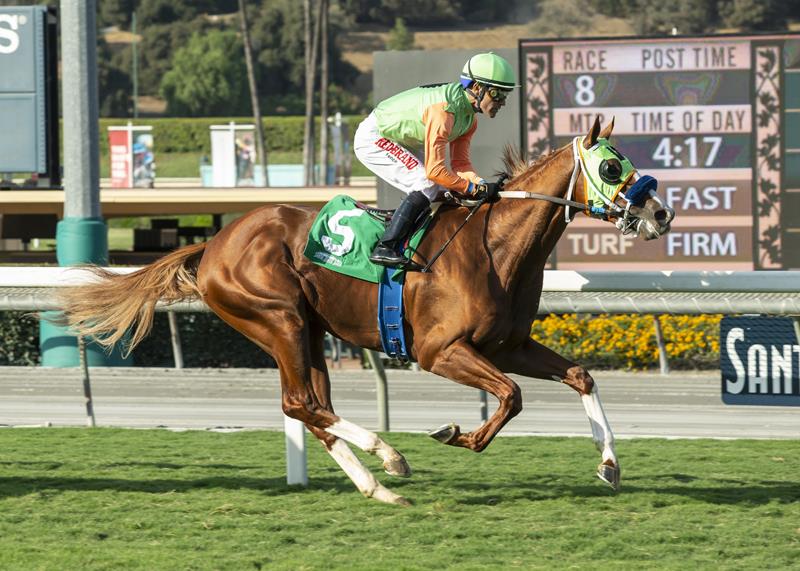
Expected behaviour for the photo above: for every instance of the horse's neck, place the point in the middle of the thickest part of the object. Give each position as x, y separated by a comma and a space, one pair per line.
525, 231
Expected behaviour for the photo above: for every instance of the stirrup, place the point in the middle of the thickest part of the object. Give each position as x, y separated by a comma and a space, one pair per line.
386, 260
398, 261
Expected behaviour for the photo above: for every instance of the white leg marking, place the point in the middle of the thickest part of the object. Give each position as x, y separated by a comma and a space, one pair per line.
361, 477
601, 430
363, 439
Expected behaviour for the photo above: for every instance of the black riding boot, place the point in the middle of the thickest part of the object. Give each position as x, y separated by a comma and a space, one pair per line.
388, 252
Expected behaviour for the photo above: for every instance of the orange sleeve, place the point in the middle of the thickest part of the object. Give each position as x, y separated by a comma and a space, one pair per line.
438, 125
459, 155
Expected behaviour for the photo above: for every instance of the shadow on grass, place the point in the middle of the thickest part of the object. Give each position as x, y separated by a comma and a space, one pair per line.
718, 491
161, 465
173, 466
21, 486
47, 465
727, 492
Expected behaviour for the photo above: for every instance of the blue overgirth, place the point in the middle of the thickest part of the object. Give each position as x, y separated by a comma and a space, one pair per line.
390, 315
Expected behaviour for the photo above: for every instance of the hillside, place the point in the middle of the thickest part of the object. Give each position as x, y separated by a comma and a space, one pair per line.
357, 47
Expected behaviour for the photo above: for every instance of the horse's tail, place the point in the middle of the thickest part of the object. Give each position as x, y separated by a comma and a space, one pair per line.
117, 303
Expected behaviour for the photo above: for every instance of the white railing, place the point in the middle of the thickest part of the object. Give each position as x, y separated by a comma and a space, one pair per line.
769, 293
772, 293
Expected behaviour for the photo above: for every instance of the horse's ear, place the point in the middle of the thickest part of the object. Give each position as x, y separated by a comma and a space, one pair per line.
606, 132
591, 138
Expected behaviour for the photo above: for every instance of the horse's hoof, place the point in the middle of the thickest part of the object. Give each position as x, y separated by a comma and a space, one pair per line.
401, 501
446, 433
397, 467
389, 497
610, 475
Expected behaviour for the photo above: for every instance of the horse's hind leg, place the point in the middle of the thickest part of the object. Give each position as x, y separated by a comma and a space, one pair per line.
281, 329
363, 479
533, 359
393, 462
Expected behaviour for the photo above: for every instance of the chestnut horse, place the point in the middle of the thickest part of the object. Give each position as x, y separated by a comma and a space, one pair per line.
469, 319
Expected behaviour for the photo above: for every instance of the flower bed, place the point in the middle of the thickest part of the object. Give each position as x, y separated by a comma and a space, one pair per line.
629, 341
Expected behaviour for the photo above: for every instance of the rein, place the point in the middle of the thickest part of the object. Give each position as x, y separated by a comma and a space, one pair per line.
626, 222
594, 210
598, 211
435, 257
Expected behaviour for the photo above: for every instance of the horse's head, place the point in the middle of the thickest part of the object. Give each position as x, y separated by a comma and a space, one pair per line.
612, 189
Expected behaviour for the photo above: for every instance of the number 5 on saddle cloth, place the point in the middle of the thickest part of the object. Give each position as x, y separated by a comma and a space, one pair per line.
342, 238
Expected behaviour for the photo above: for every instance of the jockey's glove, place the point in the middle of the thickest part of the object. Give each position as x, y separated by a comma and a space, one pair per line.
487, 190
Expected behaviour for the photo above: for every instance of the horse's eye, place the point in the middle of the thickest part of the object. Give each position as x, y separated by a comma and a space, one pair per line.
611, 171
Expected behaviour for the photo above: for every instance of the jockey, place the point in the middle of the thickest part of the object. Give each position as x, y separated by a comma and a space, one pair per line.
405, 139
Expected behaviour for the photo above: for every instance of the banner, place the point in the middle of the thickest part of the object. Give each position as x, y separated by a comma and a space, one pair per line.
233, 156
120, 152
132, 160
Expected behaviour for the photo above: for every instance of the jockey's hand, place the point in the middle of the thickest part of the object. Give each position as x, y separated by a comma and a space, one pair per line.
490, 191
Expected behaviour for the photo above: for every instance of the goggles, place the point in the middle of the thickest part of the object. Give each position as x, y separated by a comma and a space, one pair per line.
498, 94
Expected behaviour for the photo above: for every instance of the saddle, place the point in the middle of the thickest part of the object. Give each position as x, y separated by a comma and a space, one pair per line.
345, 231
341, 238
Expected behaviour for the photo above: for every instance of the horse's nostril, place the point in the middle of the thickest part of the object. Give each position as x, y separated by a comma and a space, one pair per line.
661, 216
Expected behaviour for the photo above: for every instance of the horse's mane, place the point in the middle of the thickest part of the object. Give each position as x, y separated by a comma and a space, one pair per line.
516, 165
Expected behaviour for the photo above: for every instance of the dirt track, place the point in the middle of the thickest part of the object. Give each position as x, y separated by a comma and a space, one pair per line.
637, 404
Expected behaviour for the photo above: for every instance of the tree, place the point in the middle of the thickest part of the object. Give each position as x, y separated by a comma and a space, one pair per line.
656, 17
311, 35
400, 38
563, 18
158, 45
277, 35
251, 79
754, 14
278, 40
423, 12
114, 13
615, 8
164, 11
793, 9
113, 81
323, 90
208, 77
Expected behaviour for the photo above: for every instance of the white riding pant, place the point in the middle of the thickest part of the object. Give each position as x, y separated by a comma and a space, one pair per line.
398, 166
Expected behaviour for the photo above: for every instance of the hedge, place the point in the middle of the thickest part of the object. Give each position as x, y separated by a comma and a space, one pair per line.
190, 135
206, 341
20, 334
601, 342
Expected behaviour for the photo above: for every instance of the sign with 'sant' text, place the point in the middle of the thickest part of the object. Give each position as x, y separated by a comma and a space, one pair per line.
760, 361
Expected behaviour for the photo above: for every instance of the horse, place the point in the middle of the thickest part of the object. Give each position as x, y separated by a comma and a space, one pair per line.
468, 319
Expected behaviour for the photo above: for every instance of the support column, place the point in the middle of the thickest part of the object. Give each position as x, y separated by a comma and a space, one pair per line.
81, 236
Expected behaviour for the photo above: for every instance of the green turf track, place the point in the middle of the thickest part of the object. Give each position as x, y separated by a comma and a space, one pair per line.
84, 499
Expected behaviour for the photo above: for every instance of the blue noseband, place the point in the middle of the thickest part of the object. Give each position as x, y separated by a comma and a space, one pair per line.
638, 193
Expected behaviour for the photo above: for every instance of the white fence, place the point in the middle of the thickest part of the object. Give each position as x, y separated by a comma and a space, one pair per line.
770, 293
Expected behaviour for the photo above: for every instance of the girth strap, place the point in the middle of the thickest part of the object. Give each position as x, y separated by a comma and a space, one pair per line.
390, 315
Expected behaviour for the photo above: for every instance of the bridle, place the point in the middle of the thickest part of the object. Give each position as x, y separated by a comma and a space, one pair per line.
626, 222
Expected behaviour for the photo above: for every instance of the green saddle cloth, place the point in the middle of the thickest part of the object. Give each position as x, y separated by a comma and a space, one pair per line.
343, 236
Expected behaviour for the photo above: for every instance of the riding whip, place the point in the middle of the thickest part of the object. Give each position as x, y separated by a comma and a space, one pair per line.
446, 244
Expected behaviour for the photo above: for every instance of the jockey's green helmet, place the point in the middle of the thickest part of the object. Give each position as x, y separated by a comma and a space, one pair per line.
490, 69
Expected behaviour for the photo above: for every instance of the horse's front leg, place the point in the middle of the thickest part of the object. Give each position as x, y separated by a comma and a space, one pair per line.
460, 362
533, 359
